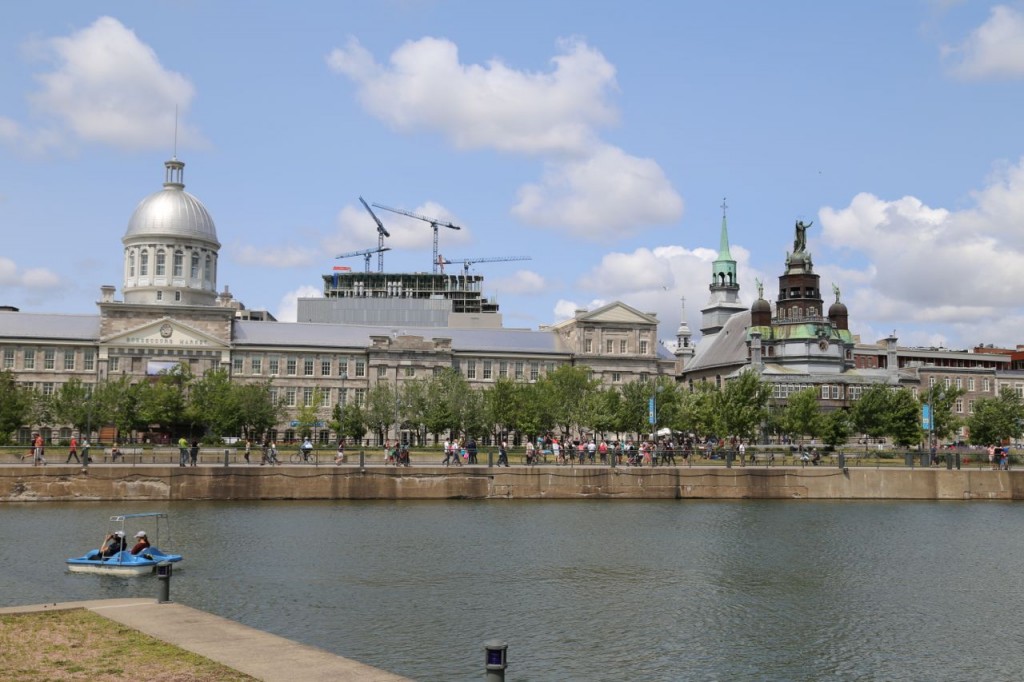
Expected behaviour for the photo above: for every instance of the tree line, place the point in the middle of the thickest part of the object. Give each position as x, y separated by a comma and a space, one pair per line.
567, 401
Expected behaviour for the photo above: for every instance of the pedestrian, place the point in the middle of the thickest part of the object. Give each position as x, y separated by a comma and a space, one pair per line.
471, 450
182, 452
248, 448
743, 454
531, 457
115, 452
194, 452
73, 451
503, 454
339, 458
38, 453
447, 451
85, 450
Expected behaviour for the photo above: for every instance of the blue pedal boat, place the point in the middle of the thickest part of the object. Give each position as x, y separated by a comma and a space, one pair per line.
123, 562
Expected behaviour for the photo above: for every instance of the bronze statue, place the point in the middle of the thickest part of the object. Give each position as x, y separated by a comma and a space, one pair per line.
800, 243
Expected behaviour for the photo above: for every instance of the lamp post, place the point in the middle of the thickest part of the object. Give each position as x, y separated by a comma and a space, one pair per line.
341, 404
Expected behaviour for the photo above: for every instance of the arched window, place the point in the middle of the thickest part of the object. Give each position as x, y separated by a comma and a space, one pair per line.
131, 263
143, 263
208, 271
195, 265
179, 264
161, 263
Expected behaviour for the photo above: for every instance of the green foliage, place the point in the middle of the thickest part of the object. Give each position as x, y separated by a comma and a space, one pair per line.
997, 419
117, 403
801, 415
381, 408
15, 406
743, 404
836, 427
570, 388
501, 406
870, 412
904, 418
308, 415
72, 404
943, 399
257, 410
698, 411
352, 422
163, 401
211, 403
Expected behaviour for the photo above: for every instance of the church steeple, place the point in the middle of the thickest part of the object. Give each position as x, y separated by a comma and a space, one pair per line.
684, 337
725, 287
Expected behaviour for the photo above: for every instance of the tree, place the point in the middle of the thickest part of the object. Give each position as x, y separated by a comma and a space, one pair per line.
836, 428
117, 403
308, 414
381, 406
163, 401
211, 402
699, 411
15, 406
996, 420
942, 399
352, 423
802, 415
869, 413
904, 418
743, 405
570, 388
72, 404
634, 407
258, 412
501, 406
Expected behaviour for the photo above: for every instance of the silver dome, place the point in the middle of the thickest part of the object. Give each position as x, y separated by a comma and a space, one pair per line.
172, 212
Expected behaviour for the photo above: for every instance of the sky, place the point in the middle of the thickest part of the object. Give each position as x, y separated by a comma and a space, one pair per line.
598, 139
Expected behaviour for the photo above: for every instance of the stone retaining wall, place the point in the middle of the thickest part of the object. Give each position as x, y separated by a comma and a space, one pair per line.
116, 482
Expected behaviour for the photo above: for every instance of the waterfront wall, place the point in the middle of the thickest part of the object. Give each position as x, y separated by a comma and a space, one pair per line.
167, 483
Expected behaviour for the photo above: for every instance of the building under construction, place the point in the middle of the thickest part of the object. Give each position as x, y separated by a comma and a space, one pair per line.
419, 299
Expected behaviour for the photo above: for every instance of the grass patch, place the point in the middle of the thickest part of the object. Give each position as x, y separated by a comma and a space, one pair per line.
81, 645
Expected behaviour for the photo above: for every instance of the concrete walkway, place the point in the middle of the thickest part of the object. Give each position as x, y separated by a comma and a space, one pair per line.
253, 652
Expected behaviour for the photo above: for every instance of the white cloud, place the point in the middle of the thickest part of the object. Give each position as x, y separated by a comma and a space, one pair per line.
602, 196
33, 279
523, 282
108, 87
931, 265
565, 310
288, 308
994, 49
589, 188
492, 106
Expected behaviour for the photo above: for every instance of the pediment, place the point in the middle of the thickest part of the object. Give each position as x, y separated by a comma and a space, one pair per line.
618, 313
164, 333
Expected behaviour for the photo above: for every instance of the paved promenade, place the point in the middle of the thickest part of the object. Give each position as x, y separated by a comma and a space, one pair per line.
247, 650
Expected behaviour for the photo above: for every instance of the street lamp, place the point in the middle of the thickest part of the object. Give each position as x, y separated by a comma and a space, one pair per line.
341, 404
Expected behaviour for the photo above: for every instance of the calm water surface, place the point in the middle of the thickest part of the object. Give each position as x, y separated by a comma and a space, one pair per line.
584, 590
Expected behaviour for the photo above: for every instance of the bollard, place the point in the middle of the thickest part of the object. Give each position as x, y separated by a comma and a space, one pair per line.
362, 460
842, 460
728, 459
909, 459
958, 461
495, 660
949, 461
490, 458
225, 457
163, 574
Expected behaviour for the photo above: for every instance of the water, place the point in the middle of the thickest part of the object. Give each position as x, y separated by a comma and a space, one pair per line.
583, 590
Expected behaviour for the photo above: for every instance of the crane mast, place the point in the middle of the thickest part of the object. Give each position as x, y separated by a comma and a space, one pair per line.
381, 233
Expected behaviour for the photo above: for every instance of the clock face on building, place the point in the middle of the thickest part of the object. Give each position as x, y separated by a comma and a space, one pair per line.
823, 344
166, 330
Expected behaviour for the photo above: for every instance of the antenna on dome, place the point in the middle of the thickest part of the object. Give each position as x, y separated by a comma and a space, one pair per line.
175, 155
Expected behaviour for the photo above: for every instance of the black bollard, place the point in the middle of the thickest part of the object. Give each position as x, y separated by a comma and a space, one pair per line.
163, 574
225, 457
490, 458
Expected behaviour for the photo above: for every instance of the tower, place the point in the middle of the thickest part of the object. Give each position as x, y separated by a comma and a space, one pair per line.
684, 341
724, 301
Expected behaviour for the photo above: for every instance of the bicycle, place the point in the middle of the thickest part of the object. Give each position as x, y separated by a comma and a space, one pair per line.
304, 457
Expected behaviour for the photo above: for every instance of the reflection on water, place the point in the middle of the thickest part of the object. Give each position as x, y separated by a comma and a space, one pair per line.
588, 590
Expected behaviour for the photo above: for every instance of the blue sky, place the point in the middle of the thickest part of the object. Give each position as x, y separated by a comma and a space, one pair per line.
598, 138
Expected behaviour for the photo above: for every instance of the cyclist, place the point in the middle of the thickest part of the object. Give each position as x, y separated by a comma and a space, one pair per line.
306, 448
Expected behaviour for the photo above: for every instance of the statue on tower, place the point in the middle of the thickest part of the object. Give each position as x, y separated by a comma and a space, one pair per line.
835, 290
800, 243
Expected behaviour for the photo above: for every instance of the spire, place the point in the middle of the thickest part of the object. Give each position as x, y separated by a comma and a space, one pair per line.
723, 243
684, 337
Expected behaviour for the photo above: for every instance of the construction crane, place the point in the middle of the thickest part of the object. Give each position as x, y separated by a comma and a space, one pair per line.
434, 223
466, 262
367, 254
381, 233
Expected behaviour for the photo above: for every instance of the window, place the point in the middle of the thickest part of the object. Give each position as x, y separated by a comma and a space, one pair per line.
307, 367
89, 361
195, 266
49, 359
622, 346
256, 366
47, 388
360, 368
325, 397
824, 392
8, 358
325, 368
289, 397
503, 369
643, 346
985, 387
177, 296
291, 367
69, 360
959, 382
609, 346
382, 371
307, 396
931, 382
549, 368
131, 264
343, 367
274, 396
275, 366
179, 264
616, 377
144, 263
947, 382
487, 369
113, 363
959, 405
208, 271
342, 396
236, 365
970, 407
534, 371
588, 345
360, 396
519, 369
159, 295
835, 392
471, 369
409, 372
161, 264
